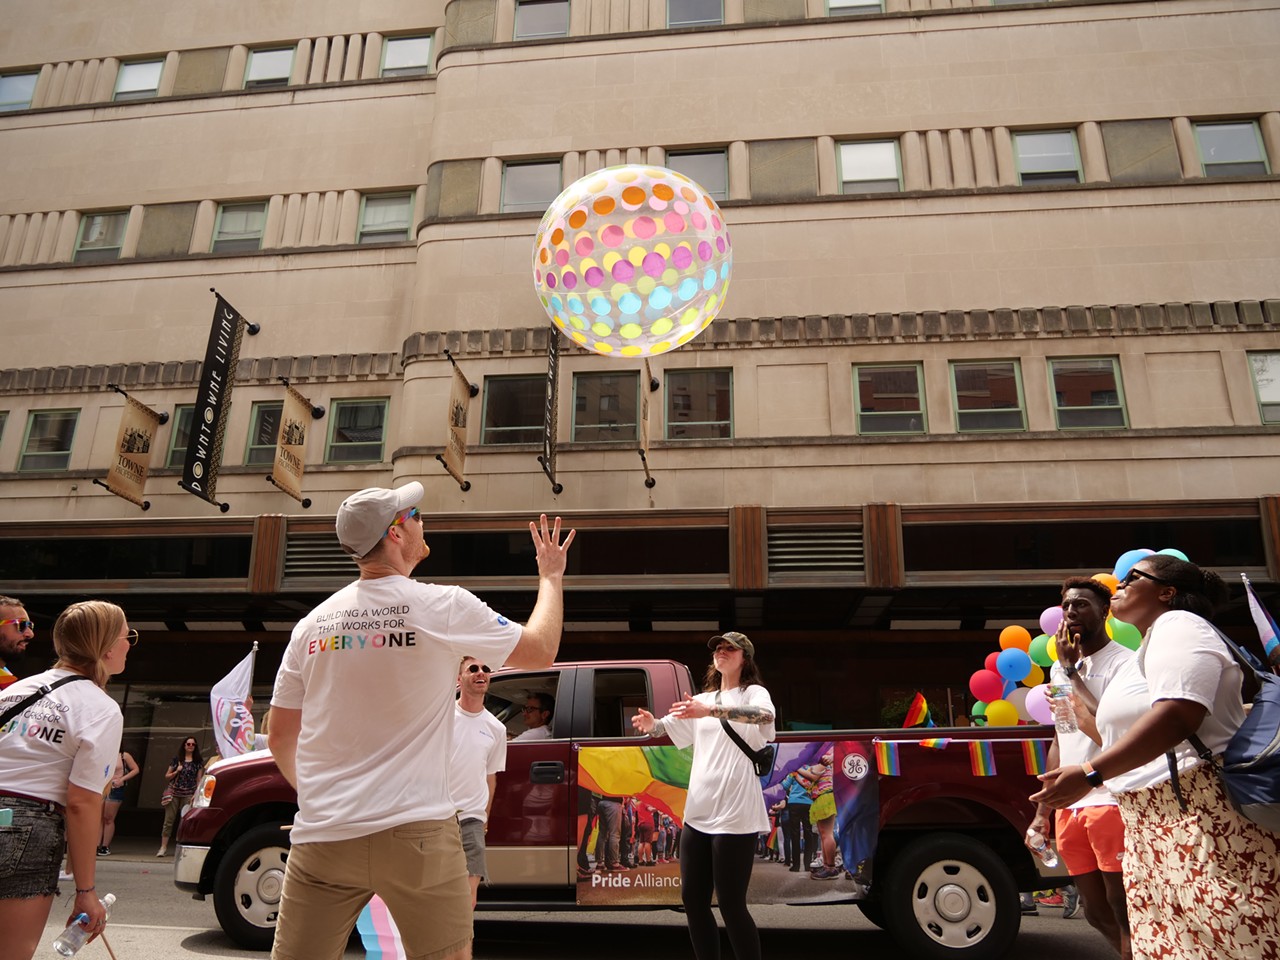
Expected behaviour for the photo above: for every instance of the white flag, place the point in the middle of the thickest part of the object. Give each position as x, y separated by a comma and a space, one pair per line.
232, 721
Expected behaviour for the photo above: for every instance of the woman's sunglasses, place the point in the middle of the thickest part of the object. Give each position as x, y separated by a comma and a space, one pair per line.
477, 667
1135, 574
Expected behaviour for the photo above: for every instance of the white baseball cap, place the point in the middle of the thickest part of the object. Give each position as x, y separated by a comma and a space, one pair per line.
365, 515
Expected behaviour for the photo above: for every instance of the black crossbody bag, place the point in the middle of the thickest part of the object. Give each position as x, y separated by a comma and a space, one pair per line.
44, 691
761, 759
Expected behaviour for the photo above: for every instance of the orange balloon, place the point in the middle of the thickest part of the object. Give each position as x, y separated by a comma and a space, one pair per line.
1015, 636
1107, 580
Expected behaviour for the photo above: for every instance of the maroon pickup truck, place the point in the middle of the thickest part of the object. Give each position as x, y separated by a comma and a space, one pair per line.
926, 839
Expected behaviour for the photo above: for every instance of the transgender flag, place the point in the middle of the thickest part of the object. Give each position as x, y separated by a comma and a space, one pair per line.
1268, 633
379, 933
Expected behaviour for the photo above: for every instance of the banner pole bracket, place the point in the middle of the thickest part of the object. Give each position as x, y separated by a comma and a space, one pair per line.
556, 488
649, 480
317, 411
163, 415
252, 329
475, 390
146, 504
223, 507
305, 501
463, 485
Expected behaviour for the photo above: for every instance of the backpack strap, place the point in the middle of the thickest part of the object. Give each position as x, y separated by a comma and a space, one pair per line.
44, 691
733, 735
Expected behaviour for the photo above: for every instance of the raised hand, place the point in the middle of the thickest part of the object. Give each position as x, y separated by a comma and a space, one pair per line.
552, 555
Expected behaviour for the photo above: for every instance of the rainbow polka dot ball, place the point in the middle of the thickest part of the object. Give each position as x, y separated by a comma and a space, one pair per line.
632, 261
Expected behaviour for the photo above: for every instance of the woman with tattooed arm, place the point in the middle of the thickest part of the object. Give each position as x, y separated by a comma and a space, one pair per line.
725, 808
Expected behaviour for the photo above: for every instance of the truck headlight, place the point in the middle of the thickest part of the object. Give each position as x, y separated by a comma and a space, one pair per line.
204, 791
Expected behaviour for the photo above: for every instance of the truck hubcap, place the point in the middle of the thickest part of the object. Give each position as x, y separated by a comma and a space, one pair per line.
952, 902
258, 886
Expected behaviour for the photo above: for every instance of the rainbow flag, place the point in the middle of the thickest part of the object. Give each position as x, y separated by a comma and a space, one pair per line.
982, 758
918, 712
938, 743
1034, 755
887, 759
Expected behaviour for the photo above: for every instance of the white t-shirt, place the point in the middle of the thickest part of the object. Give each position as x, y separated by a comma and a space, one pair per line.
479, 749
1181, 658
1097, 671
724, 791
535, 733
373, 670
71, 735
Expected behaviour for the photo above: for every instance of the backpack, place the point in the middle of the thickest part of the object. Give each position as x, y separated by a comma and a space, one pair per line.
1250, 765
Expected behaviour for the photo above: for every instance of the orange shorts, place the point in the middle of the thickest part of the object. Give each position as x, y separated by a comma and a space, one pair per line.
1091, 838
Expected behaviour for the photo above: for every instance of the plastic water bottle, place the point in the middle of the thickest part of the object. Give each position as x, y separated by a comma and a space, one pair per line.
1064, 715
77, 935
1040, 847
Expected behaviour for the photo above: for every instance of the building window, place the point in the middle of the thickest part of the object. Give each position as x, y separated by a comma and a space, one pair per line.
137, 81
4, 418
240, 227
101, 236
694, 13
264, 427
1047, 156
16, 91
268, 68
1266, 381
357, 431
385, 218
988, 396
180, 435
536, 19
1231, 149
699, 404
406, 56
514, 408
1087, 394
844, 8
890, 399
709, 169
530, 187
870, 166
605, 406
47, 445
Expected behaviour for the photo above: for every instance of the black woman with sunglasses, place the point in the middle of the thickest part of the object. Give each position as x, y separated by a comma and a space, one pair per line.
56, 754
1200, 879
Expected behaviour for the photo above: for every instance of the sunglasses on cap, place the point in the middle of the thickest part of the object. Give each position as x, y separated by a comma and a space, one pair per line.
403, 518
23, 625
477, 667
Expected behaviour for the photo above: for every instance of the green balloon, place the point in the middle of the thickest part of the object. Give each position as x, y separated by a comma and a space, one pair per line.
1039, 651
1126, 634
979, 714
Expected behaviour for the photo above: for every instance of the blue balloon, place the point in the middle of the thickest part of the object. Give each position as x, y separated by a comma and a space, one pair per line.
1128, 559
1171, 552
1013, 664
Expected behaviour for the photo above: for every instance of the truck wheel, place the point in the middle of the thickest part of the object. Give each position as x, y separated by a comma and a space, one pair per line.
873, 910
949, 897
246, 888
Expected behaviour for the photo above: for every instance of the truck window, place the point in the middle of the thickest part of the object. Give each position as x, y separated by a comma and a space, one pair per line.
509, 697
617, 695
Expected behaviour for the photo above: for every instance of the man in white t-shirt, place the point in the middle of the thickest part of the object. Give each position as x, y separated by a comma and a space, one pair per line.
479, 755
1090, 833
539, 708
362, 725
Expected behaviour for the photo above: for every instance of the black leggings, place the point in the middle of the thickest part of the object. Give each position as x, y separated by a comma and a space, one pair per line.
721, 861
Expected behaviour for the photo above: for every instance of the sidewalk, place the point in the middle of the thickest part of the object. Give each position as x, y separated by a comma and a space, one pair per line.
139, 849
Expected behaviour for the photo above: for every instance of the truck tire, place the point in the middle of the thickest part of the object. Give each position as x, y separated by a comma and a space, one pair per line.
247, 885
949, 897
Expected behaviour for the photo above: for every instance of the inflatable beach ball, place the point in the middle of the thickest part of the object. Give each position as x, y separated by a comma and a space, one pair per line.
632, 261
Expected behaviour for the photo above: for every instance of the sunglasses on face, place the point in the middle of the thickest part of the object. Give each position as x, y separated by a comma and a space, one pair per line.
1135, 574
477, 667
531, 710
23, 625
131, 637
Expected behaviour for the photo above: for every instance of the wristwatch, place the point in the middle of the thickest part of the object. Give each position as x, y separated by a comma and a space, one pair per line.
1091, 776
1070, 669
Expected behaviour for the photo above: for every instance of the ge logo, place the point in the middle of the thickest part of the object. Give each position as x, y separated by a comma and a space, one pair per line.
854, 766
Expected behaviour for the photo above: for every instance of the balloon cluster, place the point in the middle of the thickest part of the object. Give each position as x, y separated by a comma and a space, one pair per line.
1010, 688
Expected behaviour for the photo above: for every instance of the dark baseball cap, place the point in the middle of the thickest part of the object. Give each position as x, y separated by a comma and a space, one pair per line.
736, 639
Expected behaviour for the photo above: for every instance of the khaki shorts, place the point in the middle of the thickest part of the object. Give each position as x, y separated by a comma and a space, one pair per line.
419, 870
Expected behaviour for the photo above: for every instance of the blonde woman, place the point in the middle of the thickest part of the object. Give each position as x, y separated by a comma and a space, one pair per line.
56, 755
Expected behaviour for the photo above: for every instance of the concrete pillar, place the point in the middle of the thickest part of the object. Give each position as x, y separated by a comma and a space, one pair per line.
237, 60
939, 160
915, 174
301, 63
961, 159
828, 178
13, 243
57, 86
1006, 166
75, 75
504, 20
168, 74
88, 81
739, 159
48, 236
202, 229
328, 232
591, 161
132, 232
319, 57
68, 227
654, 155
634, 155
44, 81
372, 56
5, 221
1269, 124
293, 211
273, 229
733, 11
354, 60
348, 217
1184, 135
491, 185
337, 57
984, 161
1093, 153
104, 83
31, 241
612, 157
570, 168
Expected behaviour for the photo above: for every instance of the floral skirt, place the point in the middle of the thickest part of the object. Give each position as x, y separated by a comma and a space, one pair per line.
1202, 884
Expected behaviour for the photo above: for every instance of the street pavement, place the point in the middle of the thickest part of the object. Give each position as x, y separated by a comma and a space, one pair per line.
153, 920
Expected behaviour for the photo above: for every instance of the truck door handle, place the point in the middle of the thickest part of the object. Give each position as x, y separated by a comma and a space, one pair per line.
546, 771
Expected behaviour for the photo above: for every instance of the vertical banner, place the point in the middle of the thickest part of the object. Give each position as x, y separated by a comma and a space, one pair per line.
209, 424
549, 424
132, 459
291, 443
455, 448
645, 379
